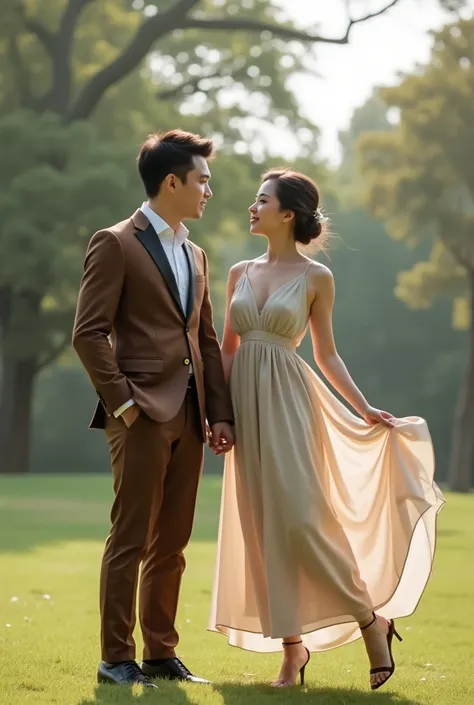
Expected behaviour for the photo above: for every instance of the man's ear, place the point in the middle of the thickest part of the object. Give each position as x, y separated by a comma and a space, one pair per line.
169, 182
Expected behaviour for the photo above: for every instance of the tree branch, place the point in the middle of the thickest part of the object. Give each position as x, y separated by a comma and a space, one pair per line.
60, 94
370, 16
177, 17
249, 25
71, 16
147, 34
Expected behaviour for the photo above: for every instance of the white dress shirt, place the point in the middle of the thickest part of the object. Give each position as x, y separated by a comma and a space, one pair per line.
172, 242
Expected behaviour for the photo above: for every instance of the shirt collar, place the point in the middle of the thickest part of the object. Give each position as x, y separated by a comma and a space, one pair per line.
161, 227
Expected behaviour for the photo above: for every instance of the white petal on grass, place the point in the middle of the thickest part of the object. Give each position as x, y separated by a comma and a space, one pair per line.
8, 626
14, 598
46, 596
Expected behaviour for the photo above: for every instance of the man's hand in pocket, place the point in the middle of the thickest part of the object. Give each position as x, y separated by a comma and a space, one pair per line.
130, 415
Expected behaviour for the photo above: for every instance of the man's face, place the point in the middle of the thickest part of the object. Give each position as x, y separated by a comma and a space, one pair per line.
195, 193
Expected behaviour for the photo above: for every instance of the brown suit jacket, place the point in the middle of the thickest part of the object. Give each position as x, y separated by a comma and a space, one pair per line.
132, 335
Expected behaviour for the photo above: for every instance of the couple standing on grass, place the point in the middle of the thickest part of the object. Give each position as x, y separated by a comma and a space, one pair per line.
327, 528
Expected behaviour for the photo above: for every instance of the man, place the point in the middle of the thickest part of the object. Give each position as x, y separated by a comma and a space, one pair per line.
144, 333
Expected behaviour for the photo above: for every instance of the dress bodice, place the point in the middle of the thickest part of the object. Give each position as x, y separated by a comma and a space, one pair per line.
284, 314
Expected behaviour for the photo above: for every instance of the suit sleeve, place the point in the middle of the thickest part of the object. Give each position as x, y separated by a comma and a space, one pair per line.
218, 402
99, 296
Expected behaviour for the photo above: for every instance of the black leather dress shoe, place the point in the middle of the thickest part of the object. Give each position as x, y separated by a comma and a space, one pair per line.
125, 673
172, 669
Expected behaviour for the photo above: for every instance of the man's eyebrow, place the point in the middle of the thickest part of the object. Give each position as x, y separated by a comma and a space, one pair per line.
205, 175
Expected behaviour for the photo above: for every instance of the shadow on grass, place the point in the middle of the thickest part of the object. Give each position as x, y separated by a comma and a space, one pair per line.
168, 692
238, 694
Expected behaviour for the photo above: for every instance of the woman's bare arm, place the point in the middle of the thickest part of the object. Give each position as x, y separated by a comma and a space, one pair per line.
325, 352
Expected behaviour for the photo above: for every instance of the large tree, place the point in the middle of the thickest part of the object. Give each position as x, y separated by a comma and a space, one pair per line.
80, 82
420, 179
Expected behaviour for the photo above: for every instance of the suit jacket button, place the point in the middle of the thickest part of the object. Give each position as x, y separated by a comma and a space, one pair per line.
187, 329
187, 361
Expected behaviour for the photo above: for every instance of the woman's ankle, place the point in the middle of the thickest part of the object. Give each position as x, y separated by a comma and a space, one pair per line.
290, 641
367, 620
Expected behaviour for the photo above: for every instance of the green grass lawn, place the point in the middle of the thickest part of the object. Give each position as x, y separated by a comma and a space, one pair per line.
52, 530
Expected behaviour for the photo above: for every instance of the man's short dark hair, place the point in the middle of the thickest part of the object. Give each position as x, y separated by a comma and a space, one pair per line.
170, 153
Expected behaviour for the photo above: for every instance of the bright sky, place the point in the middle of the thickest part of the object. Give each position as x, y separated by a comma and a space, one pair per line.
378, 50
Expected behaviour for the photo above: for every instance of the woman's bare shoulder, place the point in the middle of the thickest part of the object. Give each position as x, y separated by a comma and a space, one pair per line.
319, 273
238, 269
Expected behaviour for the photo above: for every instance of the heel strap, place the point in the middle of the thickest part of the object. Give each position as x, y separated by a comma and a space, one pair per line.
374, 619
292, 643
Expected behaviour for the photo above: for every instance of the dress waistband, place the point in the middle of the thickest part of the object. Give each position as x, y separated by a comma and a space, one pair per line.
265, 337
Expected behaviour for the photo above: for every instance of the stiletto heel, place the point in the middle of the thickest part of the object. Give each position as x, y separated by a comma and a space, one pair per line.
303, 668
384, 669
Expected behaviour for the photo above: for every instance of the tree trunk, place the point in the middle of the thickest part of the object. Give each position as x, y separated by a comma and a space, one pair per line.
16, 397
462, 449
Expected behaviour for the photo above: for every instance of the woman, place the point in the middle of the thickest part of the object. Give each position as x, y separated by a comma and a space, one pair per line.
325, 516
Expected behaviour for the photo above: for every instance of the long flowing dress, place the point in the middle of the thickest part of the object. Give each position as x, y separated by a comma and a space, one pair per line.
323, 517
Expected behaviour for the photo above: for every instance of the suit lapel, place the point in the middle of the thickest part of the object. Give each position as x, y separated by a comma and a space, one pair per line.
188, 250
151, 242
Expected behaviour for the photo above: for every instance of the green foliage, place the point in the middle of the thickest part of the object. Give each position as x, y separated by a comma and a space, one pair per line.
421, 176
369, 117
420, 180
47, 215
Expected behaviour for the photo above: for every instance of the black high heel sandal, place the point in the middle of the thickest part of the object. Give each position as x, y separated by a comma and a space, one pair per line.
384, 669
303, 668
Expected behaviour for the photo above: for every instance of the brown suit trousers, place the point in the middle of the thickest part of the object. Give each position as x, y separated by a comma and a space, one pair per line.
156, 469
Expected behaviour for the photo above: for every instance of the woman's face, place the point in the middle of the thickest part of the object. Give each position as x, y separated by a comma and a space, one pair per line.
265, 213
